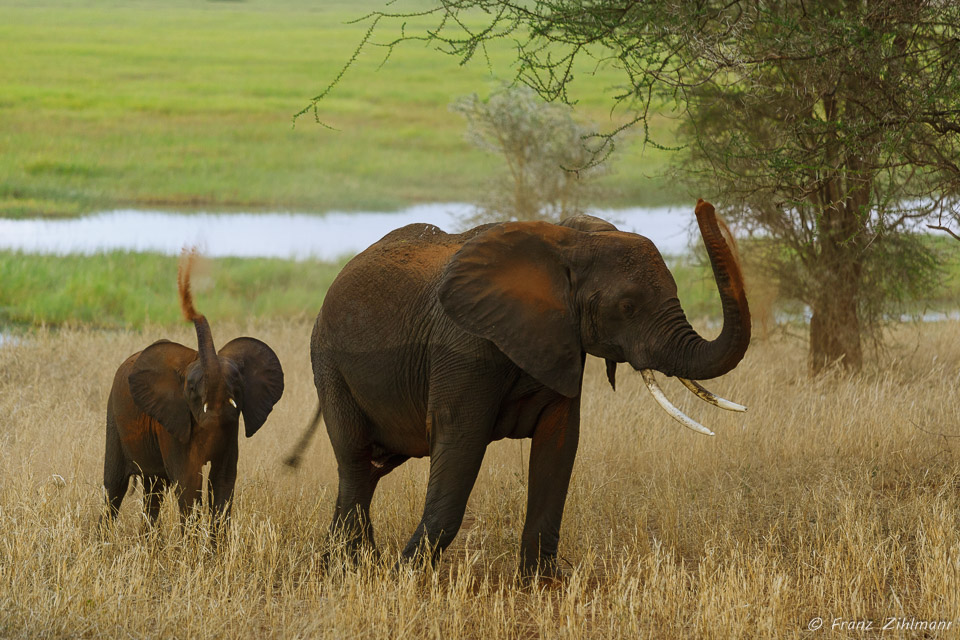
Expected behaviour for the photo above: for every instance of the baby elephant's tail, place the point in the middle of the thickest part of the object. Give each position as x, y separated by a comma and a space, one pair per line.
295, 458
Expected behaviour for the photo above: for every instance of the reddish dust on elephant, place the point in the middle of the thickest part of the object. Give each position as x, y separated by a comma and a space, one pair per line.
173, 409
434, 344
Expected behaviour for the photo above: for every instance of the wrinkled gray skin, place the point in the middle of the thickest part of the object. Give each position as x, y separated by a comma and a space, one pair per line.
430, 344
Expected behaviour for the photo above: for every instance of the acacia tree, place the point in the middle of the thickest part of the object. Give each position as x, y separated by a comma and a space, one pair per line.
832, 133
829, 128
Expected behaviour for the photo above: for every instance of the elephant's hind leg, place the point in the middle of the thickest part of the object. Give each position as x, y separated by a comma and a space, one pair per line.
349, 430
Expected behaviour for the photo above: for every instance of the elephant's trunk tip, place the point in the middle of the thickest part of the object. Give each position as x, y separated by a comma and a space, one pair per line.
187, 259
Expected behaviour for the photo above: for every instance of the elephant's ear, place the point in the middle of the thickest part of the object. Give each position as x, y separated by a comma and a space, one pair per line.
511, 286
584, 222
261, 379
156, 385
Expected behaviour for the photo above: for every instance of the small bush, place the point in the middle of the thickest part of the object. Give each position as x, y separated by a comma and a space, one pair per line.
550, 161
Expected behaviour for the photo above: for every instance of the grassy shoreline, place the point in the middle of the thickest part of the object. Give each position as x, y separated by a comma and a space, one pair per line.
123, 289
127, 290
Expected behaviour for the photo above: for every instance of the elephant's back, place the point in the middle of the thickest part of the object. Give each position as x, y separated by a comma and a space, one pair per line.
379, 289
416, 250
372, 331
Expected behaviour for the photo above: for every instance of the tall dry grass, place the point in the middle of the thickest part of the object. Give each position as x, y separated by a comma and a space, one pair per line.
834, 499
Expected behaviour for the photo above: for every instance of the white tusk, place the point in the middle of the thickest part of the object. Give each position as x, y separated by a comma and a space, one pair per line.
233, 403
675, 413
708, 396
204, 407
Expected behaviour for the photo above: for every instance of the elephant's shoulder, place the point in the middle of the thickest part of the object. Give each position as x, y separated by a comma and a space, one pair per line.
416, 250
415, 233
469, 234
584, 222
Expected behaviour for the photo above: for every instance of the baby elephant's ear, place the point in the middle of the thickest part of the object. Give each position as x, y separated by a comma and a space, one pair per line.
261, 379
156, 385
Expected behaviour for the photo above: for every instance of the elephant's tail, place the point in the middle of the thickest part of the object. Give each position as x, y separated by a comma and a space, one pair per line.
295, 458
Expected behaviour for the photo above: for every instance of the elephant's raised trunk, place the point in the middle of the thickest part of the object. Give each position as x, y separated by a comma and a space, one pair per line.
209, 362
691, 355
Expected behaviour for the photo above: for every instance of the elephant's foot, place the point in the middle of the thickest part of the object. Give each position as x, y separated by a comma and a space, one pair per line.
340, 553
545, 571
422, 557
411, 565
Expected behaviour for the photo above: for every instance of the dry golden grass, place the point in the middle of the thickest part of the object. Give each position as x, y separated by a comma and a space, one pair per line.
829, 499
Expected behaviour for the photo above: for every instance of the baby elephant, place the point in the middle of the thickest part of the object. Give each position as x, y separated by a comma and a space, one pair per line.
172, 410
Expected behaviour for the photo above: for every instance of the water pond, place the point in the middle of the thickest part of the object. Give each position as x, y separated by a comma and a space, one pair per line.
297, 236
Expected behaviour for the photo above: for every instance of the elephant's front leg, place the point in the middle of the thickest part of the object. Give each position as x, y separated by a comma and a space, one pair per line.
454, 466
189, 492
552, 455
223, 478
153, 490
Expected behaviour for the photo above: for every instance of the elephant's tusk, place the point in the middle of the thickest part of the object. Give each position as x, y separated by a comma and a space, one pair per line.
708, 396
661, 399
204, 407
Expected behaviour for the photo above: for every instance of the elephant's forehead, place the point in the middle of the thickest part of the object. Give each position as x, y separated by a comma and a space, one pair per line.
628, 252
194, 372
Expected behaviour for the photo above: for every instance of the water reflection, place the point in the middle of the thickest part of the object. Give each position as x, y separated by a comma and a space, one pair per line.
282, 235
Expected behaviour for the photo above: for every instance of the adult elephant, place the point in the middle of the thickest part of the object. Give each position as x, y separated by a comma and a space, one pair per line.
431, 344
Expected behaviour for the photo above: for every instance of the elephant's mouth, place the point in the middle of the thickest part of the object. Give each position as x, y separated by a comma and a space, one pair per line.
696, 389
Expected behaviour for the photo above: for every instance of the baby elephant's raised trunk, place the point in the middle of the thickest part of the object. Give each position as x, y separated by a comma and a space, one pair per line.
207, 353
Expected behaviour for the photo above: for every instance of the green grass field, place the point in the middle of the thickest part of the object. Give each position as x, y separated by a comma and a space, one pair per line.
124, 290
132, 290
189, 105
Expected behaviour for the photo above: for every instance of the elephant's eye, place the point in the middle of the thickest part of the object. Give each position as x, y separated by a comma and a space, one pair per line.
628, 308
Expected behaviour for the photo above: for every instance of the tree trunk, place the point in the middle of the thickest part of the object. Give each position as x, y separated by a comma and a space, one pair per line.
844, 202
835, 332
835, 324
